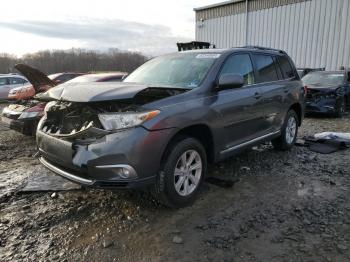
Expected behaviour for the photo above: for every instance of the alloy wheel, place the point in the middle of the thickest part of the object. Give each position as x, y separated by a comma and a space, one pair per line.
291, 130
188, 172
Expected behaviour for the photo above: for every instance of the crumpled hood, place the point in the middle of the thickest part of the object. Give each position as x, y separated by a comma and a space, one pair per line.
323, 88
93, 92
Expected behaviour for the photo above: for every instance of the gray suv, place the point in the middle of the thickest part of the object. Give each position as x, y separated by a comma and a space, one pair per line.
167, 120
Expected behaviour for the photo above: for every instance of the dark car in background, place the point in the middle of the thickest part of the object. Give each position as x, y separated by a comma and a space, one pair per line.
328, 92
60, 78
161, 126
24, 116
303, 71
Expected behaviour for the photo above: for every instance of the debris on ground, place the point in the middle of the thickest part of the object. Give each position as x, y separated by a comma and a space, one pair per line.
177, 240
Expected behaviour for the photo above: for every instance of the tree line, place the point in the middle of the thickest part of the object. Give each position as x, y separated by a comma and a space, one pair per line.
74, 60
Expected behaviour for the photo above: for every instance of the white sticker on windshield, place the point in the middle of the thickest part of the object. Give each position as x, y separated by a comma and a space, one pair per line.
207, 55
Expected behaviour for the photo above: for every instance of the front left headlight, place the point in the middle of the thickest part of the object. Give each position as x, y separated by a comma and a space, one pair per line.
115, 121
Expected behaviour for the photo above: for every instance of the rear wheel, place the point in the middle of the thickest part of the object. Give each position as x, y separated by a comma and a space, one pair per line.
182, 173
289, 132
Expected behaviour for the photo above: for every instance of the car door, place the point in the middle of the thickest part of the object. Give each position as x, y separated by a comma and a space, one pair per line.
240, 108
4, 87
273, 91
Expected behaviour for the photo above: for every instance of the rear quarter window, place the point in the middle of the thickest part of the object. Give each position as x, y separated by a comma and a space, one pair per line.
286, 67
266, 68
16, 81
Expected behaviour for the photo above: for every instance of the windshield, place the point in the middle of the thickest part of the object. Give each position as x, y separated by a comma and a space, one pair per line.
180, 70
323, 79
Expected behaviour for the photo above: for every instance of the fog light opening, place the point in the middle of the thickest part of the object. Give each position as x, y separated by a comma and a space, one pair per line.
124, 172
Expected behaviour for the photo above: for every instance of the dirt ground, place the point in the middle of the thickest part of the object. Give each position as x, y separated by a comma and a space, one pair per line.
286, 206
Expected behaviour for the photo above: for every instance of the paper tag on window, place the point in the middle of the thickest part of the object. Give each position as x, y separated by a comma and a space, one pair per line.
207, 55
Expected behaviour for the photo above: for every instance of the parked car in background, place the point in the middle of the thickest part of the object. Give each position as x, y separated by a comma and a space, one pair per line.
61, 78
161, 126
304, 71
328, 92
10, 81
24, 117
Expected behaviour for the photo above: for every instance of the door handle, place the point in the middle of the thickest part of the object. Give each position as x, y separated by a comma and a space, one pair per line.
257, 95
285, 89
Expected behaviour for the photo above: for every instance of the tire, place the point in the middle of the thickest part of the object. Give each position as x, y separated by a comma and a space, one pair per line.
164, 188
286, 140
341, 107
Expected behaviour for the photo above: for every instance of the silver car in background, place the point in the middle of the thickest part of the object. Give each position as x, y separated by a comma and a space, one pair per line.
7, 82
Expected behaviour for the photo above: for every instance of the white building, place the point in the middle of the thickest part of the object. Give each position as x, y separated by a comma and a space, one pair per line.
315, 33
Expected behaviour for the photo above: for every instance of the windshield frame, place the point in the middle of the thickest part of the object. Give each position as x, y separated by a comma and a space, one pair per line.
194, 53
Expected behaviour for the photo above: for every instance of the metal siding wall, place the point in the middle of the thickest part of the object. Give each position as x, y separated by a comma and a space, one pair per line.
314, 33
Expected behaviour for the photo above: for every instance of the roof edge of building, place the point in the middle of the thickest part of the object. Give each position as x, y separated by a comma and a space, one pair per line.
217, 5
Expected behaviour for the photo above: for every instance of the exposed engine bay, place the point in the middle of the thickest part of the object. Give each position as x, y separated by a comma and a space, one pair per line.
69, 118
73, 119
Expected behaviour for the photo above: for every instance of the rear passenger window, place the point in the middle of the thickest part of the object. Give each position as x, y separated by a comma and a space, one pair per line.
240, 64
16, 81
286, 67
266, 68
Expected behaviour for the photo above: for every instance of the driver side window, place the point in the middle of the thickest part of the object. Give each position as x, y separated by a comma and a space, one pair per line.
240, 64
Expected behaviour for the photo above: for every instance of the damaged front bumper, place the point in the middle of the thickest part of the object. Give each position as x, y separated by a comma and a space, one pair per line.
125, 159
25, 126
323, 106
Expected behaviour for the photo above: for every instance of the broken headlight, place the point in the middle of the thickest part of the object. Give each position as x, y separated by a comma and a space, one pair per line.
114, 121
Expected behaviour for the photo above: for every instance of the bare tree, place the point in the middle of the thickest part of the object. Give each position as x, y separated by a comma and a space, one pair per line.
75, 60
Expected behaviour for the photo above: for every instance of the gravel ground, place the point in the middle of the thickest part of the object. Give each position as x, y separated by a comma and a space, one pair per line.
286, 206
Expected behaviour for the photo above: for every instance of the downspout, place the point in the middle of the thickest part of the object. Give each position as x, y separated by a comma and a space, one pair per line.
246, 22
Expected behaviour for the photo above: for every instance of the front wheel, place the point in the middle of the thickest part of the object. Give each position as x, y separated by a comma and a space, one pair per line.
182, 173
289, 132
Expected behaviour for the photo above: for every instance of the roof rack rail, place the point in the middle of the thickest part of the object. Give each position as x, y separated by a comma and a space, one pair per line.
264, 48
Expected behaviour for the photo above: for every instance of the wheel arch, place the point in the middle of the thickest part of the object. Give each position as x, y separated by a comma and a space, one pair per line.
201, 132
298, 110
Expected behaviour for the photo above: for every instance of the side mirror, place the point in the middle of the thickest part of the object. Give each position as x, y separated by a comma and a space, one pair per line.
227, 81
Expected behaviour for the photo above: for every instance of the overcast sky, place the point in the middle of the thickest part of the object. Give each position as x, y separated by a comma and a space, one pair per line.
150, 26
